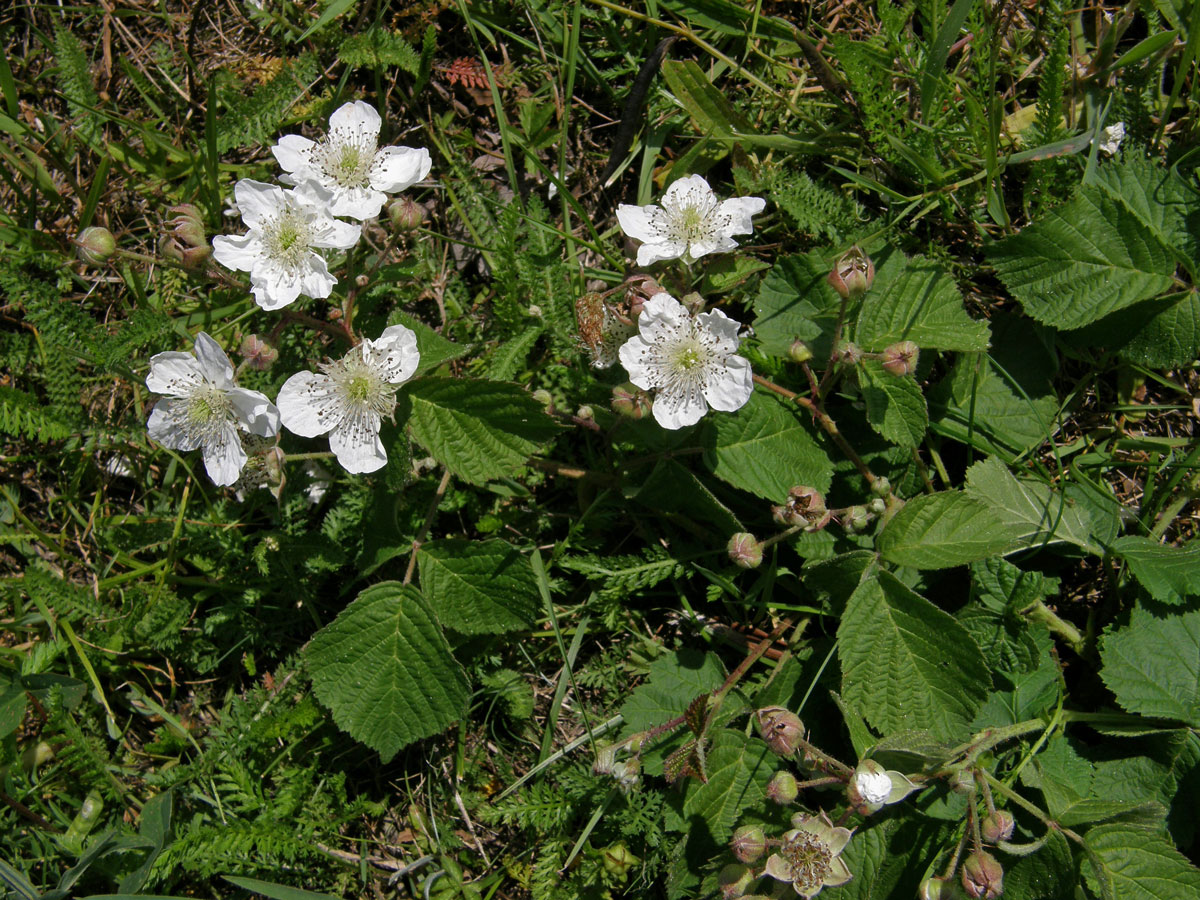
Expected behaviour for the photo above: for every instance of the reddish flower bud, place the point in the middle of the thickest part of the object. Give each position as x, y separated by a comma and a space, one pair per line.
900, 359
982, 876
405, 214
745, 550
258, 353
749, 843
852, 274
630, 402
187, 227
783, 788
782, 730
997, 826
850, 353
95, 245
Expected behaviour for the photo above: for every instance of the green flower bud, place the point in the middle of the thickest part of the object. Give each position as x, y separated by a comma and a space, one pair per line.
745, 550
406, 214
878, 506
630, 402
982, 876
800, 352
881, 487
901, 358
857, 519
542, 396
782, 730
749, 843
618, 860
95, 245
783, 788
733, 880
997, 826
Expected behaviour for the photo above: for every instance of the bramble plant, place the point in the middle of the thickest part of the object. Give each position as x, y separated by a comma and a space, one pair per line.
571, 450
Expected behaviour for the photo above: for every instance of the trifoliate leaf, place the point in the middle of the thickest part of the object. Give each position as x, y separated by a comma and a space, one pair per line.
385, 671
916, 300
738, 770
1153, 665
765, 448
906, 664
1083, 260
1037, 512
1170, 574
895, 405
478, 587
479, 430
937, 531
1133, 862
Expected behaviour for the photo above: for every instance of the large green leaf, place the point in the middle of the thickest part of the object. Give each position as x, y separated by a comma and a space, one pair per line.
915, 300
937, 531
765, 449
907, 665
385, 671
1037, 512
1157, 197
674, 681
895, 405
795, 302
1153, 665
479, 430
674, 492
1133, 862
1083, 260
1170, 574
738, 771
478, 587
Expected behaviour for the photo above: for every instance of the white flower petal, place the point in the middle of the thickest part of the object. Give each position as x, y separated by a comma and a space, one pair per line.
737, 212
213, 362
224, 457
397, 168
729, 388
237, 252
315, 280
257, 200
337, 235
174, 373
635, 357
165, 425
356, 444
256, 413
678, 406
395, 352
717, 243
357, 203
723, 328
308, 404
690, 191
662, 318
292, 153
356, 116
648, 254
640, 222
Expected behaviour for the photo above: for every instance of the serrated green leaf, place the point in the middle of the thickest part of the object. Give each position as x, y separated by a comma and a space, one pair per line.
674, 681
906, 664
1156, 196
479, 430
1082, 261
1153, 665
888, 857
1096, 809
478, 587
672, 490
1035, 511
795, 302
384, 669
1047, 874
1139, 864
937, 531
738, 770
764, 448
916, 300
895, 406
1170, 574
434, 348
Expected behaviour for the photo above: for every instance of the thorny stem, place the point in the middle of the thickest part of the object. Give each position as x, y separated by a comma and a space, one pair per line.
1001, 788
825, 759
833, 353
962, 845
420, 537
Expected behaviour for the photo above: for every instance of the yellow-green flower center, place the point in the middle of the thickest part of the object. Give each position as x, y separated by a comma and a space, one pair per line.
687, 357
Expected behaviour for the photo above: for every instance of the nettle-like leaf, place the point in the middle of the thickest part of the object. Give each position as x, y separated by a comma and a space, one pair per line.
895, 405
765, 448
1133, 862
384, 669
1170, 574
796, 303
1035, 511
937, 531
738, 769
907, 665
916, 300
478, 587
1153, 665
1083, 260
479, 430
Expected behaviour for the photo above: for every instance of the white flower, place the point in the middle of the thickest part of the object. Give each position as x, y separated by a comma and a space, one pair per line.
287, 228
691, 221
351, 396
873, 787
690, 361
1113, 135
613, 333
347, 164
204, 408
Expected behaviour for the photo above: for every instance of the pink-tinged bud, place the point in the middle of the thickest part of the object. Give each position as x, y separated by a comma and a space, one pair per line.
997, 826
745, 551
405, 214
852, 274
780, 729
782, 515
638, 289
783, 788
982, 876
258, 353
630, 402
800, 352
850, 353
187, 227
900, 359
95, 245
733, 880
749, 843
191, 258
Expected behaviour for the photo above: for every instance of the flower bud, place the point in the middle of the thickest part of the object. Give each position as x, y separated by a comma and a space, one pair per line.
749, 843
187, 227
95, 245
630, 402
900, 359
618, 859
800, 352
850, 353
542, 396
881, 487
733, 880
806, 508
192, 258
997, 826
857, 519
406, 214
585, 413
258, 353
982, 876
693, 302
869, 787
963, 782
852, 274
783, 788
878, 506
745, 550
933, 889
782, 730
